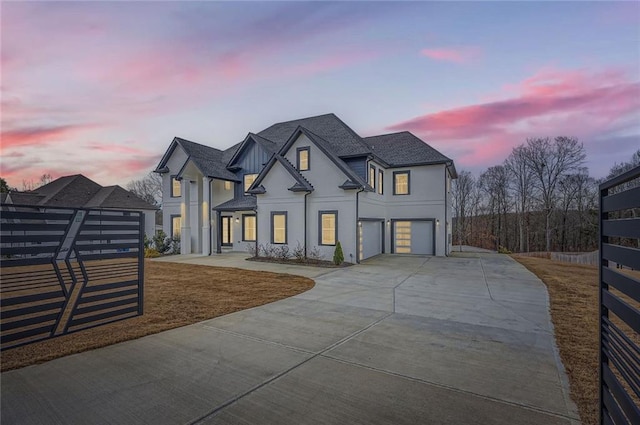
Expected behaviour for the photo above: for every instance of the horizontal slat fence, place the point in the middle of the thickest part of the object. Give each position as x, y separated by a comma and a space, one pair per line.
63, 270
620, 299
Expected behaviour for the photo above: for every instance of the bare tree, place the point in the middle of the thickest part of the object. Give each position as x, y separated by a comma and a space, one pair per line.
148, 188
494, 185
550, 161
521, 184
462, 190
28, 185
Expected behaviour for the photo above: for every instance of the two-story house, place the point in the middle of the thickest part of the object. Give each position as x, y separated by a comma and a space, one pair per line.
310, 182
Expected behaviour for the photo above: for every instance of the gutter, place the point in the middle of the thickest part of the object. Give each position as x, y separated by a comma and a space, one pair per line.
358, 229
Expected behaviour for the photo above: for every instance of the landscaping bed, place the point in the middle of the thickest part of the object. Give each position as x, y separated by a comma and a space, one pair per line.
295, 262
175, 295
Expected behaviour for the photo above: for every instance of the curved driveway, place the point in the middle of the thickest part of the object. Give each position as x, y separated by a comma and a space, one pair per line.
397, 340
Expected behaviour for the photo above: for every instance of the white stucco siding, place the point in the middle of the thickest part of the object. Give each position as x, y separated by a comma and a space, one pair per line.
325, 177
171, 206
426, 199
279, 198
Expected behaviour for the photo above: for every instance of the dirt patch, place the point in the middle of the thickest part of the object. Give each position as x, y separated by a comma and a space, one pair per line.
174, 295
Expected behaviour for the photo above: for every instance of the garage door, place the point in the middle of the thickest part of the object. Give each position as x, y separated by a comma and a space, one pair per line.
370, 239
413, 237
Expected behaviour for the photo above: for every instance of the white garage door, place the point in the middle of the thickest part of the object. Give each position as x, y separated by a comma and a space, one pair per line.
413, 237
370, 239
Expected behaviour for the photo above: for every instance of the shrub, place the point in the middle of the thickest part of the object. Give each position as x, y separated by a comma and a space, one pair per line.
174, 245
503, 250
338, 256
146, 242
151, 253
298, 253
282, 252
314, 253
252, 249
267, 250
162, 243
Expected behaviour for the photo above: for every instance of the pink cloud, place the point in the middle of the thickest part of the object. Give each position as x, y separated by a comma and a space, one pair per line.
116, 149
38, 135
456, 55
551, 102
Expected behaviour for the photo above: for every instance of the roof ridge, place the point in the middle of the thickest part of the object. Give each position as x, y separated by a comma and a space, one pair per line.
350, 130
181, 139
390, 134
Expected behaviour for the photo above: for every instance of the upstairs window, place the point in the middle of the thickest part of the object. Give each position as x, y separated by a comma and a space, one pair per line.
372, 176
248, 181
401, 183
380, 182
228, 185
176, 189
303, 159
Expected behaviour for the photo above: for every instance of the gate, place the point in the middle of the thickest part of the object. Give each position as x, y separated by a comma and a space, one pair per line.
620, 299
63, 270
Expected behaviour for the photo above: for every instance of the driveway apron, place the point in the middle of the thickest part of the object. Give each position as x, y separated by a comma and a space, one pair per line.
465, 339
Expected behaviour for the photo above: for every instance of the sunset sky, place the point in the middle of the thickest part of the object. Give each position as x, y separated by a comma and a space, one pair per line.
102, 88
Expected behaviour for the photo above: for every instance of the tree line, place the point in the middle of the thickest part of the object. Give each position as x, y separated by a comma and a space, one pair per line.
541, 198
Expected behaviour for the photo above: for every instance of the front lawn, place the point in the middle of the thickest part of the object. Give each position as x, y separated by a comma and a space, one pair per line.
174, 295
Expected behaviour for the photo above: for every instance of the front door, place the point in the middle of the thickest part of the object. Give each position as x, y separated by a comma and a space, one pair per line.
227, 238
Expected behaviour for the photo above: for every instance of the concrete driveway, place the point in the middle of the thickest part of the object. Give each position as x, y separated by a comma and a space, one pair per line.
397, 340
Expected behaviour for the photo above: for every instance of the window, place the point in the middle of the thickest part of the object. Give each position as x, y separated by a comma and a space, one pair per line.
372, 176
401, 183
228, 185
303, 159
248, 181
176, 223
278, 227
380, 180
176, 189
328, 224
248, 227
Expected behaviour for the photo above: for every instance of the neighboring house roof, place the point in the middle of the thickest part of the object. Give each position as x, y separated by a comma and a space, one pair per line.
210, 161
118, 197
404, 149
78, 191
243, 203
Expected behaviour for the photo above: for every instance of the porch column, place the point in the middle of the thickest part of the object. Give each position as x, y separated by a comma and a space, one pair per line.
218, 233
206, 220
185, 213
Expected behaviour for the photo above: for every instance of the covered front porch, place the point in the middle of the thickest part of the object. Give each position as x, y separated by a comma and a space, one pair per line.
236, 224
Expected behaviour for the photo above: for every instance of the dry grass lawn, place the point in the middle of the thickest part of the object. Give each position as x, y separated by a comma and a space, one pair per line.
573, 292
174, 295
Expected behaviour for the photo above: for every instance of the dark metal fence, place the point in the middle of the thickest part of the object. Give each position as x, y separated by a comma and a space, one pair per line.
620, 299
63, 270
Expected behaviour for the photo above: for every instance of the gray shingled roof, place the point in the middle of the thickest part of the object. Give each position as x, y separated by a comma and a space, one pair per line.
243, 203
342, 140
68, 191
78, 191
117, 197
404, 149
210, 161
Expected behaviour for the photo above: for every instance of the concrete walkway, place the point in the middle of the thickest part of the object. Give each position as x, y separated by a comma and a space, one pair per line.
397, 340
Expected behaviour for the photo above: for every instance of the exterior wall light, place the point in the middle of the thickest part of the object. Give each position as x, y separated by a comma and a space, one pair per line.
237, 219
437, 221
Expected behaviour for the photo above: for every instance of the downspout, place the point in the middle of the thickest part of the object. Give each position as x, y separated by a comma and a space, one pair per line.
358, 229
446, 208
305, 223
210, 227
256, 211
